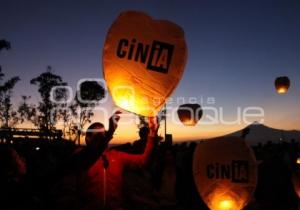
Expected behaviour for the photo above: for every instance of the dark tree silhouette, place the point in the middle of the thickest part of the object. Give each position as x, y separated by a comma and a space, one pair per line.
26, 111
47, 112
90, 93
66, 113
8, 117
4, 44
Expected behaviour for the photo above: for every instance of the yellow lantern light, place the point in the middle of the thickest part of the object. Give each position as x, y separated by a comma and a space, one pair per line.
225, 173
223, 203
143, 61
282, 84
298, 160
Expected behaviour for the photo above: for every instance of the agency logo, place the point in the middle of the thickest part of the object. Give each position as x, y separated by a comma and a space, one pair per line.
156, 57
237, 171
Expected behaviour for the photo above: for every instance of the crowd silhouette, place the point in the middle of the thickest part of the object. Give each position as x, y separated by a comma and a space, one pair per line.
62, 175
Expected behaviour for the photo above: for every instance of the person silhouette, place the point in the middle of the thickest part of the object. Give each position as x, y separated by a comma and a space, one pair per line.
138, 146
99, 180
13, 191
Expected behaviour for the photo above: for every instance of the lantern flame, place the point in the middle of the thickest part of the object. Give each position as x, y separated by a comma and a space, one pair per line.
224, 202
125, 98
226, 205
124, 103
189, 122
298, 160
282, 90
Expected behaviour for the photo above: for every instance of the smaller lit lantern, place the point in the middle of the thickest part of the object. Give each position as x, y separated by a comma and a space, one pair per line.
225, 173
189, 114
296, 183
282, 84
298, 160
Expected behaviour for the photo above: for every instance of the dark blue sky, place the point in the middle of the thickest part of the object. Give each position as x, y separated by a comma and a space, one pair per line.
236, 48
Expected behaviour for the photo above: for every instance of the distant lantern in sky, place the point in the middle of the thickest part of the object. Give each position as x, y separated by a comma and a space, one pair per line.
143, 61
189, 114
225, 173
282, 84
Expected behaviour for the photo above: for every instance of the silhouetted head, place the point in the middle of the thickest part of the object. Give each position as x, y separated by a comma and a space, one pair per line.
143, 133
95, 135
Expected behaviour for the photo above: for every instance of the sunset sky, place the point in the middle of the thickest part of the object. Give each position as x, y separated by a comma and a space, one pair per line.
236, 49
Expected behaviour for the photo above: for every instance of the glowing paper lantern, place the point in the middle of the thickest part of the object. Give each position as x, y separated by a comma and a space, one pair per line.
225, 173
189, 114
282, 84
296, 183
143, 61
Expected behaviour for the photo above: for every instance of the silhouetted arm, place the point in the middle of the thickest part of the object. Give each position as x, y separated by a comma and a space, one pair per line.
84, 158
138, 160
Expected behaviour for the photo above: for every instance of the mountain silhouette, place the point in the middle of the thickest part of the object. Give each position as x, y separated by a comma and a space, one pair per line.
256, 132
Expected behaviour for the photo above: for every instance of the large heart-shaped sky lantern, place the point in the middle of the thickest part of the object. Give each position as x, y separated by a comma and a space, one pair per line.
225, 172
143, 61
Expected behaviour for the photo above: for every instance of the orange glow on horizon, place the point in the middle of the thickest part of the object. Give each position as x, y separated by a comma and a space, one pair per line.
127, 130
